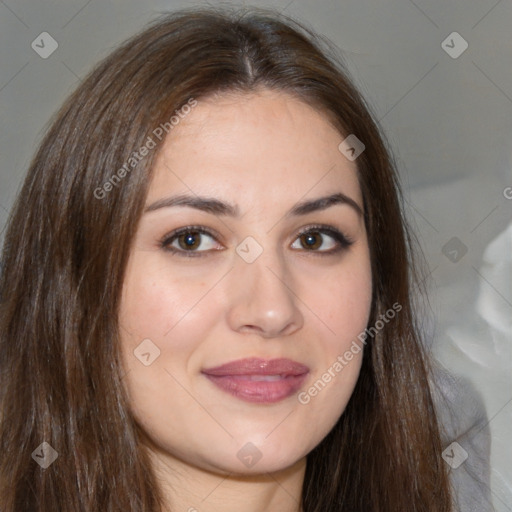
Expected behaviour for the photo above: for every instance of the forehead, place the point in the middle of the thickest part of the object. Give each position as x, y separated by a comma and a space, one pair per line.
261, 147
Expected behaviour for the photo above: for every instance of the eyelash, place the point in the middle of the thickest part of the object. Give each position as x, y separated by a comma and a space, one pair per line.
343, 241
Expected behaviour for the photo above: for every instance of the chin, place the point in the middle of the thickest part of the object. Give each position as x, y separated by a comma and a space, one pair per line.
269, 464
269, 456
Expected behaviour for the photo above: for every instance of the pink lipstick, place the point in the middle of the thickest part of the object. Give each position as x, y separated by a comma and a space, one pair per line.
259, 380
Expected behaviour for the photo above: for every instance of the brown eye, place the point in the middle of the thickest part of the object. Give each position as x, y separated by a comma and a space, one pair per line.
190, 241
323, 240
311, 240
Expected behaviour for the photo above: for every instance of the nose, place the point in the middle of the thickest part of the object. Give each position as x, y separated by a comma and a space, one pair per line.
261, 297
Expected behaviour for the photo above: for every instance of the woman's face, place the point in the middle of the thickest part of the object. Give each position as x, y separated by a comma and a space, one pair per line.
227, 325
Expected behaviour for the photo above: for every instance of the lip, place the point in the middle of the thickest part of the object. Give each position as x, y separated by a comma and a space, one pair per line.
259, 380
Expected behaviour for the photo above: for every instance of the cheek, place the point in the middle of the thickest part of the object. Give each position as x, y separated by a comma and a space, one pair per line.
155, 302
344, 302
346, 299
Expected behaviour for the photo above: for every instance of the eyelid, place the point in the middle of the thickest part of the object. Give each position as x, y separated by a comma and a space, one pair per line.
342, 239
324, 228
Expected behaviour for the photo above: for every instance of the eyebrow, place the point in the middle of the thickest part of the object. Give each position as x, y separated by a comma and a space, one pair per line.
217, 207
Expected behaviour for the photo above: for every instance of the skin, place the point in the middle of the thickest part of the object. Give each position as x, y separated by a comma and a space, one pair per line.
263, 152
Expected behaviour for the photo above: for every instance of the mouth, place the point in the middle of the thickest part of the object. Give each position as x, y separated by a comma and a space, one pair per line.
259, 380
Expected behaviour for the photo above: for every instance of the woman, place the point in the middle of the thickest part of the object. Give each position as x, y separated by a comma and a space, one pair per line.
205, 289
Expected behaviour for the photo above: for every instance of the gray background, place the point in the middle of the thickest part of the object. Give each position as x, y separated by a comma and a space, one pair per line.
449, 121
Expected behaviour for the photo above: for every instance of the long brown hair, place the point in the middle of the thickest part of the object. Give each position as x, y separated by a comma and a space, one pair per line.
66, 249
